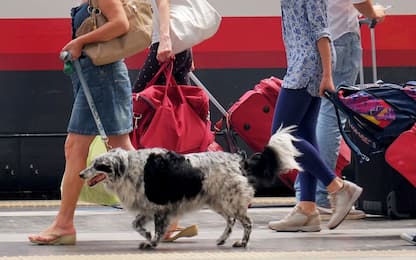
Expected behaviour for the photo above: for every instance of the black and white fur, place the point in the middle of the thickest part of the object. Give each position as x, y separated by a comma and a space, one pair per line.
160, 185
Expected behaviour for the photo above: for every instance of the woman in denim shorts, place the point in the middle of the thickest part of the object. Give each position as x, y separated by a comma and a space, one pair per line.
111, 91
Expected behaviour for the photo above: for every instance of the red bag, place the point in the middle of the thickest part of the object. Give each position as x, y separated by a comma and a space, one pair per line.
174, 117
401, 155
251, 116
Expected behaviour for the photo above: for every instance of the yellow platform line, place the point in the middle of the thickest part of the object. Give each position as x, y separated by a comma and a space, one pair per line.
245, 255
258, 201
36, 203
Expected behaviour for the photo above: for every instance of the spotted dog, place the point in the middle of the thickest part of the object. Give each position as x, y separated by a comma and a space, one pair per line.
160, 185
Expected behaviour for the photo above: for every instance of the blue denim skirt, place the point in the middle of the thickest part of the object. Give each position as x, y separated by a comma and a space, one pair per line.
110, 88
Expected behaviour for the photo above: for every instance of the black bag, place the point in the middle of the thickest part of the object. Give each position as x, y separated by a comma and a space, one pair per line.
377, 114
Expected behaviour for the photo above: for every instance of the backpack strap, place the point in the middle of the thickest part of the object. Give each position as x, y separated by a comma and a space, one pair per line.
347, 139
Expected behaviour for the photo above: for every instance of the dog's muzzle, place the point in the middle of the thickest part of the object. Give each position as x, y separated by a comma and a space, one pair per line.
93, 178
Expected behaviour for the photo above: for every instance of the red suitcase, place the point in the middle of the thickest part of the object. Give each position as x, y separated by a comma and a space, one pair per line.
251, 116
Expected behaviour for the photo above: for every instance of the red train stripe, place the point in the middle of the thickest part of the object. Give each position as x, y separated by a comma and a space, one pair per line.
241, 42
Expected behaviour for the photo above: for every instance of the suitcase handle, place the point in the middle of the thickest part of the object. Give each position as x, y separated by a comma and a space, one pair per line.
370, 22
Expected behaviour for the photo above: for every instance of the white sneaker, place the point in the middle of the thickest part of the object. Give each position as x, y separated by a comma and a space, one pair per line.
297, 220
353, 214
411, 238
342, 201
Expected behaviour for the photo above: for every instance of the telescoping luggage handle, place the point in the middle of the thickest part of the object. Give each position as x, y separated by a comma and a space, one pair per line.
232, 146
372, 25
66, 57
334, 100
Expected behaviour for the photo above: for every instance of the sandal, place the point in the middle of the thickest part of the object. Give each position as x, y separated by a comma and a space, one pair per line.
55, 239
182, 232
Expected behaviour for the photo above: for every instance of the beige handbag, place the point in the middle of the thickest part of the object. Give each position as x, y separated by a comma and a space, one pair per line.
137, 39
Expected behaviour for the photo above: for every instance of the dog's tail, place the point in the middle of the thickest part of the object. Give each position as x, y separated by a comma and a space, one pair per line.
279, 156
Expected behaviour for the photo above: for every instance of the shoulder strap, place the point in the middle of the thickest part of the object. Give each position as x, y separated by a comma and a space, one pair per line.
93, 3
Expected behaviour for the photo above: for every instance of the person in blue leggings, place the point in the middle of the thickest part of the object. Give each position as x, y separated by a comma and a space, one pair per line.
308, 50
345, 32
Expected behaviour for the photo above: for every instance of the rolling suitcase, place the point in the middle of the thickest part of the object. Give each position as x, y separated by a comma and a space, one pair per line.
251, 116
385, 191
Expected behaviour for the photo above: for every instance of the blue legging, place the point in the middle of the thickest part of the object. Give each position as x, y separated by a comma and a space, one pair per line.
298, 107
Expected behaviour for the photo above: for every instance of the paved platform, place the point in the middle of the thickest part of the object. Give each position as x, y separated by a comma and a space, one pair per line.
105, 233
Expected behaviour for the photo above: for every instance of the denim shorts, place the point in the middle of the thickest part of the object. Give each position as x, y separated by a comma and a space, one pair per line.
111, 91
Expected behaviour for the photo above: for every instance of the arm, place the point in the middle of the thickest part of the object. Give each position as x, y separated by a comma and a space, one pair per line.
316, 11
371, 11
117, 24
327, 83
164, 51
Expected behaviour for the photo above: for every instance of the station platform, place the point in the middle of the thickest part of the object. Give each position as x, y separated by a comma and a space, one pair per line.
105, 233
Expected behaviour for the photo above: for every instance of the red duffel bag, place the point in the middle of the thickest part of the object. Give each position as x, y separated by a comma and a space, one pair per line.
172, 116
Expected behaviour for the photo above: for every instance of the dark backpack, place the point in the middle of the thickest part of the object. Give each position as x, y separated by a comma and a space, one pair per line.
377, 113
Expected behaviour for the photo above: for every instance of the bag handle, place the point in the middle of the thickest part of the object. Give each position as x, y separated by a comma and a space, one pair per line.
157, 75
332, 97
93, 10
171, 82
167, 70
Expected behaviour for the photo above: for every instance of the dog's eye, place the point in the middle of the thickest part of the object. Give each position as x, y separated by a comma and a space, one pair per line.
102, 168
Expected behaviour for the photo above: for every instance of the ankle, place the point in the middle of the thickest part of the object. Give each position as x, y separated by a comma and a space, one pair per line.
307, 207
335, 185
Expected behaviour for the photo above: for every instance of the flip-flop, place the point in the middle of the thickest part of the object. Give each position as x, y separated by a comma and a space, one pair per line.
182, 232
56, 239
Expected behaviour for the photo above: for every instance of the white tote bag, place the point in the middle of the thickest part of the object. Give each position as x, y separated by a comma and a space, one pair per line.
192, 22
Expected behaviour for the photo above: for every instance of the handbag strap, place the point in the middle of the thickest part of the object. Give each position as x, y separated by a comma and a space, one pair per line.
93, 10
93, 3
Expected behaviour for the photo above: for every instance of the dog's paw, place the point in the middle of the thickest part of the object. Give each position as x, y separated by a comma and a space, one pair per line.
239, 243
145, 245
220, 242
154, 243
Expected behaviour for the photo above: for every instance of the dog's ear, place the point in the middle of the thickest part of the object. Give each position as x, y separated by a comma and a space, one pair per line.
174, 157
112, 163
169, 178
119, 166
154, 161
99, 166
262, 165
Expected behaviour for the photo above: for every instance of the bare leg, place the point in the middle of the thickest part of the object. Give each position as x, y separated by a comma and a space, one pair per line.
309, 207
171, 229
76, 153
335, 185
